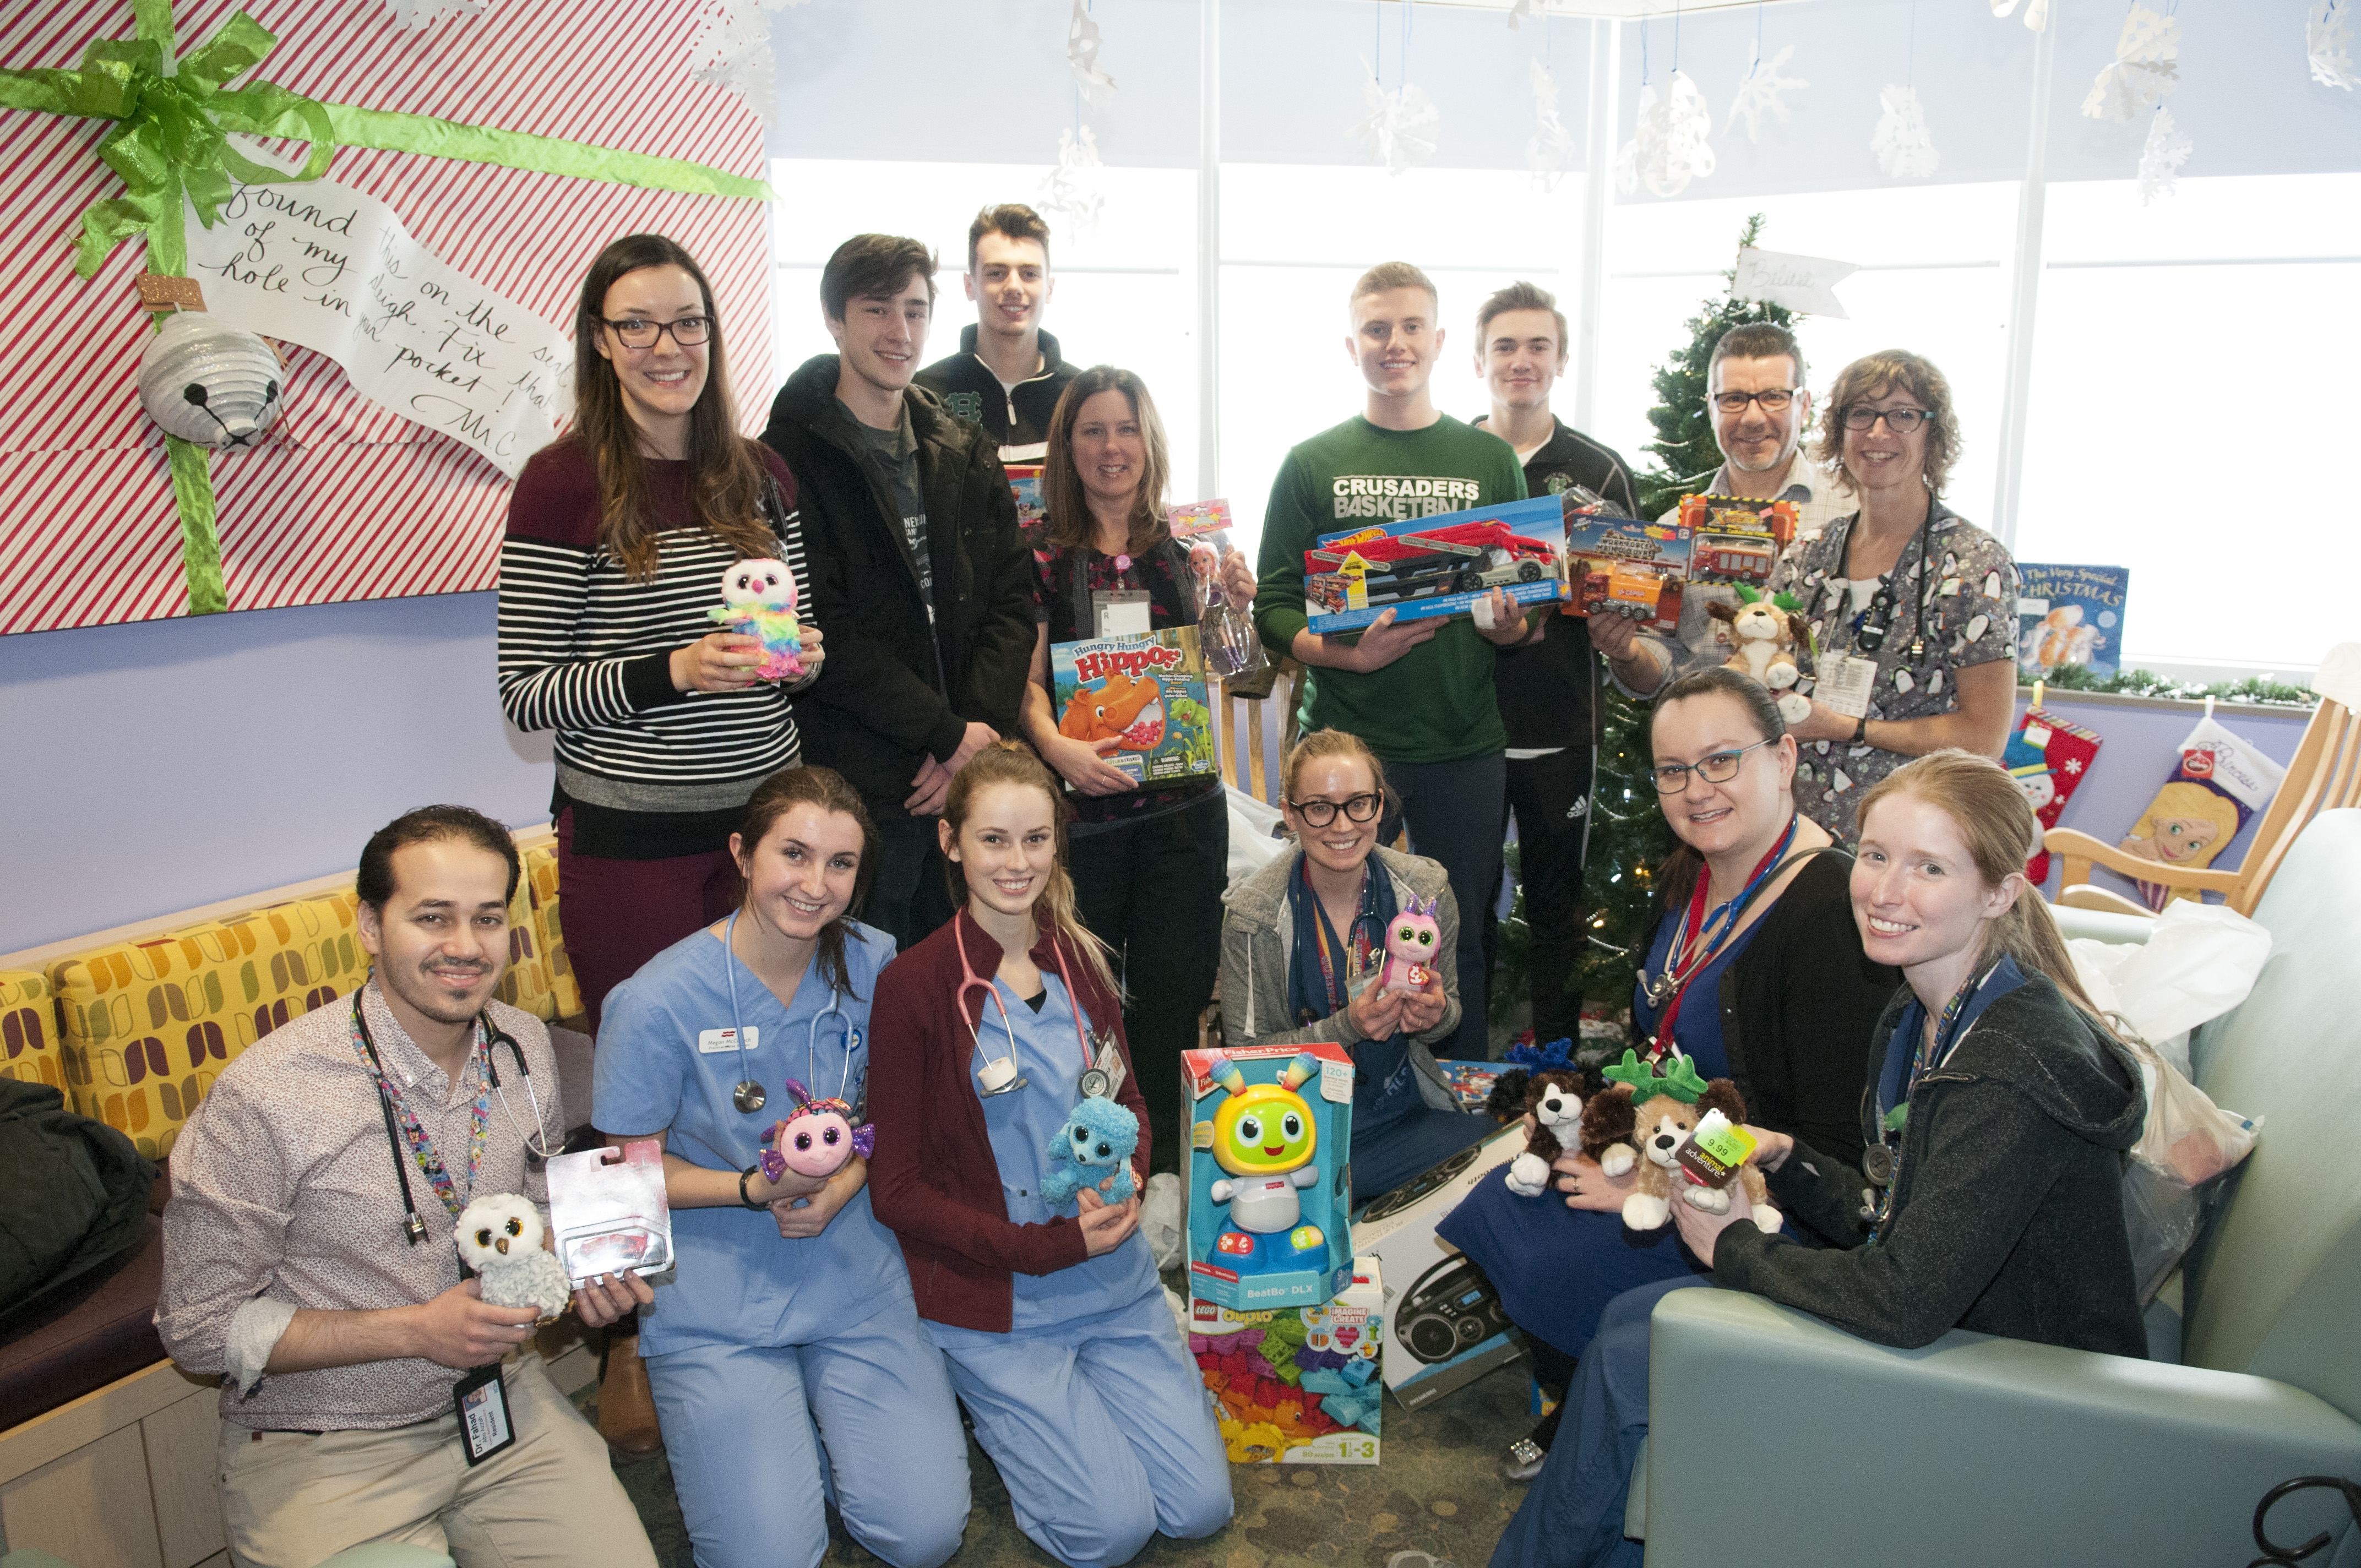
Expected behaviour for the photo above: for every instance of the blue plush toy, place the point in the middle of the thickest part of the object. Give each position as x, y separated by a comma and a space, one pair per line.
1095, 1143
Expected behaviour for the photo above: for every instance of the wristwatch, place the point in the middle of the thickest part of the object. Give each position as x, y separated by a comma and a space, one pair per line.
1860, 730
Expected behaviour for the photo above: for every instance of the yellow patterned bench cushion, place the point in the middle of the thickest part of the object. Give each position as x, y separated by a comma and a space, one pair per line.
148, 1025
28, 1029
541, 878
527, 982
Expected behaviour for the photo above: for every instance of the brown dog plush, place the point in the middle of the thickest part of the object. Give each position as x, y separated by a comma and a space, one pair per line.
1640, 1122
1553, 1100
1766, 637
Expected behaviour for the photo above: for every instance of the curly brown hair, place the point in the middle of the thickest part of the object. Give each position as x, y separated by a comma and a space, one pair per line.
1876, 375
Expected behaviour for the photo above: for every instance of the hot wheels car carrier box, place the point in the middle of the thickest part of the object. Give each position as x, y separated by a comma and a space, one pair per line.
1269, 1179
1436, 566
1297, 1385
1443, 1316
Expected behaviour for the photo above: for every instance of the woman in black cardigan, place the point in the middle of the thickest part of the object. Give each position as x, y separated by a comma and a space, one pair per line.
1756, 974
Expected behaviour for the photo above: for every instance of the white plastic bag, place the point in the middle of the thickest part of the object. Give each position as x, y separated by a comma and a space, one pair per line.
1159, 1219
1251, 844
2199, 963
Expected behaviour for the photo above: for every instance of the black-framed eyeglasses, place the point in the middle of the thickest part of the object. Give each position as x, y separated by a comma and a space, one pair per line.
1901, 422
1320, 813
1774, 402
1671, 778
636, 331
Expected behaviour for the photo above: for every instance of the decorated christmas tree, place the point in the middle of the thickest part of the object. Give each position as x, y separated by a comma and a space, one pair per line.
1684, 450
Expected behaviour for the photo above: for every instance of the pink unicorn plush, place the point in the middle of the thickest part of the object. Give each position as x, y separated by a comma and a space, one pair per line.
1411, 942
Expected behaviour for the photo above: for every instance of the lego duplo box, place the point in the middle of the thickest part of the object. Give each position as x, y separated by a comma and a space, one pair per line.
1269, 1179
1436, 566
1297, 1384
1442, 1315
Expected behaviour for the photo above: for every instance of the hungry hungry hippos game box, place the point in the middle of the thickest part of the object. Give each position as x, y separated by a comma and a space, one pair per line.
1297, 1384
1146, 694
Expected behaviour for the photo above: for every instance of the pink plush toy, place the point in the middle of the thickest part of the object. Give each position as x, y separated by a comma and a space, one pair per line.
758, 598
1411, 941
816, 1139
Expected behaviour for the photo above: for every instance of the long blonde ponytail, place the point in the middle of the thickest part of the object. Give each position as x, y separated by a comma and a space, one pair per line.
1011, 762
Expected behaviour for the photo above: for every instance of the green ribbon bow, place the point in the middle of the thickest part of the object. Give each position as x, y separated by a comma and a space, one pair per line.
169, 144
1682, 1083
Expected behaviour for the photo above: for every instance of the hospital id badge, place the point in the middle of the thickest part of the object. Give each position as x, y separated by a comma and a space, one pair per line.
1105, 1075
483, 1404
1119, 612
1843, 682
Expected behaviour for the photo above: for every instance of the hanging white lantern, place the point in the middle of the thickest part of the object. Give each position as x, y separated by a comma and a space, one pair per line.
209, 383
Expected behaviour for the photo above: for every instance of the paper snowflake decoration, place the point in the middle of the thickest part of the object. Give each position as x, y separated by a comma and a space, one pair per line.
1759, 92
2142, 71
1669, 148
1082, 59
732, 47
1904, 148
2036, 15
1399, 129
417, 16
2160, 165
1551, 145
1519, 11
2328, 43
1073, 187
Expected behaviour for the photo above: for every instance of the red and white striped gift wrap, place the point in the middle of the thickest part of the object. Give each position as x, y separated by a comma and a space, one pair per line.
343, 500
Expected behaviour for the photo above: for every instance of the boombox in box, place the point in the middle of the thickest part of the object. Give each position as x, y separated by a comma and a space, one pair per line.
1444, 1321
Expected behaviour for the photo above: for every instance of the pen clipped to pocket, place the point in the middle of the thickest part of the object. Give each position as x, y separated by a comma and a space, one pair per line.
607, 1210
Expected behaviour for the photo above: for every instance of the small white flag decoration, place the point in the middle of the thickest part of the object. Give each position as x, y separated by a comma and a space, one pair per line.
1806, 283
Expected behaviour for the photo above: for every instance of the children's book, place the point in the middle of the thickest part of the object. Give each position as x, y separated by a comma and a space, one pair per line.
1145, 695
2069, 615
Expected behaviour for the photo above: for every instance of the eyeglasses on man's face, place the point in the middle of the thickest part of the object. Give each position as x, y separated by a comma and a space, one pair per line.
1719, 768
1901, 422
637, 332
1320, 813
1774, 402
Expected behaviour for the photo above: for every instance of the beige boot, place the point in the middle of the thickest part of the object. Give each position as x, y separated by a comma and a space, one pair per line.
627, 1406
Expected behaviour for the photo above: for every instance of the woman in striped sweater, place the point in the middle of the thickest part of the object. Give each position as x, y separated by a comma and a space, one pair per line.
618, 535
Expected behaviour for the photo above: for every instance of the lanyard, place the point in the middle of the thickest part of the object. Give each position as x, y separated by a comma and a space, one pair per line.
1933, 1046
1687, 960
422, 1147
1360, 941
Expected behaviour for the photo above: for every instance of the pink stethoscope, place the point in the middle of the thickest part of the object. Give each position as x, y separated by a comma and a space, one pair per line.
999, 1075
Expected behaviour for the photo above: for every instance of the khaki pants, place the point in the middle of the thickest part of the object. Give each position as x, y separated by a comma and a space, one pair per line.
290, 1499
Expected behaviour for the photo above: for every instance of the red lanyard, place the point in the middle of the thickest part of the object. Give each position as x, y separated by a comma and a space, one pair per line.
1693, 926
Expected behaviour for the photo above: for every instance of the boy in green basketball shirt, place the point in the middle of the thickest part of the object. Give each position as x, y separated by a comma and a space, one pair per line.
1419, 693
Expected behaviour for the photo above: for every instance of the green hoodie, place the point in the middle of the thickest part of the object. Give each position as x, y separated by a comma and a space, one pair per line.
1435, 704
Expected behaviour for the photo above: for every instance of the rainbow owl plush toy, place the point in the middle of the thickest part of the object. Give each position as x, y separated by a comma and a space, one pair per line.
758, 598
1412, 938
1095, 1143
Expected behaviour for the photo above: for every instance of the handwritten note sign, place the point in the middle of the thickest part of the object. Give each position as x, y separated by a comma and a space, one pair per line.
325, 265
1806, 283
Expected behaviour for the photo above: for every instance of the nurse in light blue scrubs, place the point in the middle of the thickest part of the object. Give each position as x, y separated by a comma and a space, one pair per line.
1055, 1327
787, 1359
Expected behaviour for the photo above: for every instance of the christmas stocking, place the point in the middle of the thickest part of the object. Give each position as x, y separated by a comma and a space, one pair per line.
2048, 757
2221, 782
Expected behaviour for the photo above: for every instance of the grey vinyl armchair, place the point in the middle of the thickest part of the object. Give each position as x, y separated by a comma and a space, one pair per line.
1779, 1439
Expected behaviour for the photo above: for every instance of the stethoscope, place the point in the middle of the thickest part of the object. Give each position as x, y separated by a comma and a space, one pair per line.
999, 1075
536, 1143
749, 1095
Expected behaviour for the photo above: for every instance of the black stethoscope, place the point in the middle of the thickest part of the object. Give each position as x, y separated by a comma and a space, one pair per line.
536, 1143
1869, 626
749, 1095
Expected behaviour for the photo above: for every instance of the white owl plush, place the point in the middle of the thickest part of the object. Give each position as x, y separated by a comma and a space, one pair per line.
499, 1238
758, 598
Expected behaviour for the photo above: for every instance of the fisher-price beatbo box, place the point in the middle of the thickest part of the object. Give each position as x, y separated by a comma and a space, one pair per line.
1297, 1384
1146, 694
1269, 1179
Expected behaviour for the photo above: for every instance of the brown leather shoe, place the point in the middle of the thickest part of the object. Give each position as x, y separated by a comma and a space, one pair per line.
627, 1406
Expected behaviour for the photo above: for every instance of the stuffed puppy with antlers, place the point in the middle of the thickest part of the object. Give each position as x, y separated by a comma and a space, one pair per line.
1767, 634
1640, 1122
1553, 1100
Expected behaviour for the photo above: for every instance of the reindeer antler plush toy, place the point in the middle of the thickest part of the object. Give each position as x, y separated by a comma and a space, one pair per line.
1640, 1120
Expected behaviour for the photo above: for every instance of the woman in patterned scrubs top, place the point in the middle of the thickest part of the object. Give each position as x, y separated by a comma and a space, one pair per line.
1910, 604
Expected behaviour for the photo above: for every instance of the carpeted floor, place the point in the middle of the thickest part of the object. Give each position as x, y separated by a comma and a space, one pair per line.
1437, 1498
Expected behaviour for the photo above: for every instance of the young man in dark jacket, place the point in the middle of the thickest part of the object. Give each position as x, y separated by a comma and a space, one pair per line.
919, 573
1007, 373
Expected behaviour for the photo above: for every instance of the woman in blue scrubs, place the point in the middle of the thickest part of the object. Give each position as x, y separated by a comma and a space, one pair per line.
1051, 1318
787, 1361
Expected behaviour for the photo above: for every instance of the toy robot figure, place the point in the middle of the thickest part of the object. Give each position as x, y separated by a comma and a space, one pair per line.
1265, 1137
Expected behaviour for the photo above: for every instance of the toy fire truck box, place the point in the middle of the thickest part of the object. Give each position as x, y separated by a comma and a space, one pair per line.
1270, 1185
1436, 566
1443, 1316
1297, 1385
1147, 693
1619, 566
1734, 540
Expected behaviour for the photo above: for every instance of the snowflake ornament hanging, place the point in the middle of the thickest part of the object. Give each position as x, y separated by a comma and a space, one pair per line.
417, 16
1904, 148
1398, 131
2142, 71
1073, 187
1669, 147
2328, 43
1759, 92
1082, 59
2036, 15
2159, 163
1518, 11
1550, 147
732, 47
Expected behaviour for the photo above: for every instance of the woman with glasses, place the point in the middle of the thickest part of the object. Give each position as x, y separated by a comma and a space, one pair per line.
618, 536
1755, 974
1303, 945
1913, 609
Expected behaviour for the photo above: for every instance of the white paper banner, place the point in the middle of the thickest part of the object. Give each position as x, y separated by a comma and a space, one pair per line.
322, 265
1806, 283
